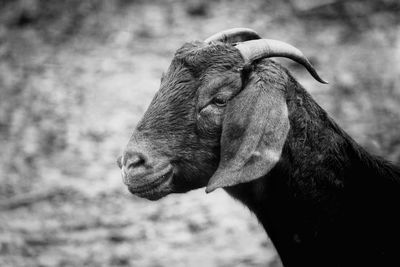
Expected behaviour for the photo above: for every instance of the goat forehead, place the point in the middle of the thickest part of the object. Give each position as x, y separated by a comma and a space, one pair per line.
176, 99
177, 85
172, 105
200, 56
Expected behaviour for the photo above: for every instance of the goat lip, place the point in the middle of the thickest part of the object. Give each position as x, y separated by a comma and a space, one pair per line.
151, 187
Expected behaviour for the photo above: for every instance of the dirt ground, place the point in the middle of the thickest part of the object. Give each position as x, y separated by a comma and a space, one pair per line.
75, 78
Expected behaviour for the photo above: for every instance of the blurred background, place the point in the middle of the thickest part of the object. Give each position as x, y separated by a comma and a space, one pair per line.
75, 78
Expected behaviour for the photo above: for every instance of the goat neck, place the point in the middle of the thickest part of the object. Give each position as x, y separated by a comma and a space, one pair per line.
302, 202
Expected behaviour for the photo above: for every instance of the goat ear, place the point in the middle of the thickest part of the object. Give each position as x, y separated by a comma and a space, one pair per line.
254, 131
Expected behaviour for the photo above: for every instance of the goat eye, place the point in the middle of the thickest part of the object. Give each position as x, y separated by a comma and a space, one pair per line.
219, 102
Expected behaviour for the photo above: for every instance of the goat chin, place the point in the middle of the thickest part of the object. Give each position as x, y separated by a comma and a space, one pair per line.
160, 186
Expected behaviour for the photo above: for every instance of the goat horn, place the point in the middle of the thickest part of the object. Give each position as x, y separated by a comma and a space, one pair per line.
234, 35
264, 48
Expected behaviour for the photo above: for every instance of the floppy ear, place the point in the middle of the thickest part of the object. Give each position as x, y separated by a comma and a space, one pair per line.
254, 131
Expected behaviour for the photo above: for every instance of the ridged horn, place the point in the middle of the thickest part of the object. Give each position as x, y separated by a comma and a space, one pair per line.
234, 35
264, 48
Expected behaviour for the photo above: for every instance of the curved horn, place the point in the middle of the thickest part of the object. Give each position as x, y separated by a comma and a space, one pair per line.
234, 35
257, 49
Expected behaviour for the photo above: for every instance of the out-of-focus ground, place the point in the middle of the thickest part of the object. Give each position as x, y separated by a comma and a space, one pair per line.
75, 78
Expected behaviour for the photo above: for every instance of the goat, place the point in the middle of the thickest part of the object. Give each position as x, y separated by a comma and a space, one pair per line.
227, 117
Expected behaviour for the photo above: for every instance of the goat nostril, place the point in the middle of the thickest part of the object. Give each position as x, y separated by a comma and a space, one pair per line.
119, 162
135, 161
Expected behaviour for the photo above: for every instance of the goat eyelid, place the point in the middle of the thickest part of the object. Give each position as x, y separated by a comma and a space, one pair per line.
219, 101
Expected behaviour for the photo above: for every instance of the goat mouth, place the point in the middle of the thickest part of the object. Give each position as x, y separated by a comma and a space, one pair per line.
154, 190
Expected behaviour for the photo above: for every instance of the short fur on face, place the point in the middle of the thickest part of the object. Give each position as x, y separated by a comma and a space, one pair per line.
213, 117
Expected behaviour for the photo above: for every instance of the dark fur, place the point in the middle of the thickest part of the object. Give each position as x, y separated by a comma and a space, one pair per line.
327, 202
169, 123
